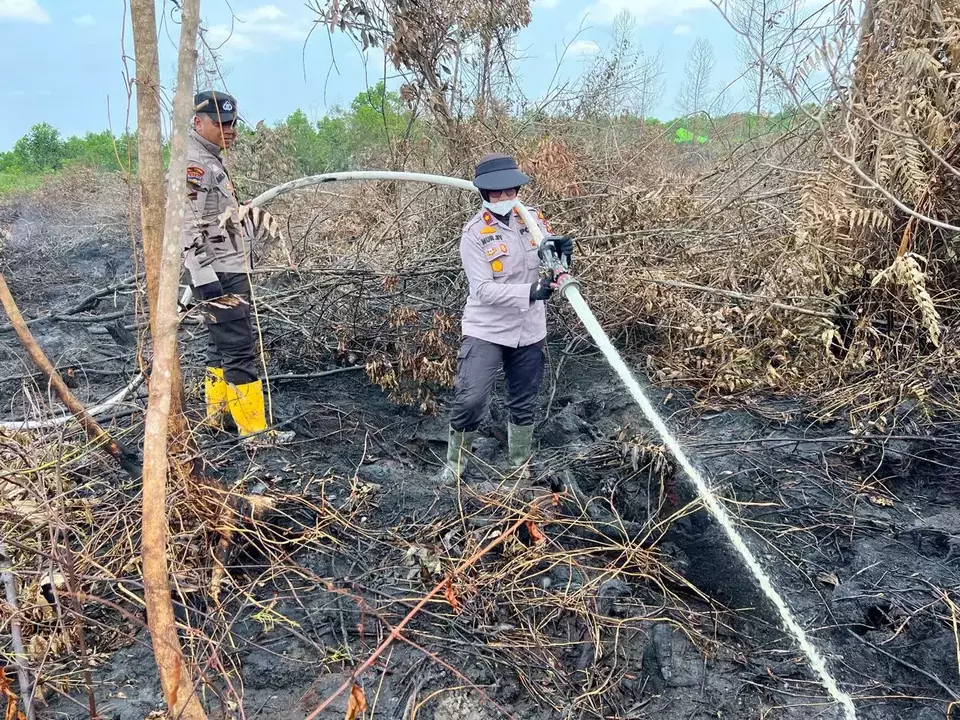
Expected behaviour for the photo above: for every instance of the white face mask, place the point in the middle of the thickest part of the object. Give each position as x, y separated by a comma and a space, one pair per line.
499, 208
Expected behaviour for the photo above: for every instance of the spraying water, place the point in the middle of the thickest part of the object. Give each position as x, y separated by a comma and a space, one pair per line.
570, 288
817, 662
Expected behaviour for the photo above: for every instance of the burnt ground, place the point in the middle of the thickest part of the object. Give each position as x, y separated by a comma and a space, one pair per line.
623, 600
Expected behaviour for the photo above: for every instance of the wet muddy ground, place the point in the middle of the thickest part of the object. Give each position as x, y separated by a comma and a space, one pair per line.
620, 600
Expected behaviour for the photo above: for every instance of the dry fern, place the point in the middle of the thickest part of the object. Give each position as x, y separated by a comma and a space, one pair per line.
905, 272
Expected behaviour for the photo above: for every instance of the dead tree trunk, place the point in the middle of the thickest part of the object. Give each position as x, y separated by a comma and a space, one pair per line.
92, 428
150, 163
178, 689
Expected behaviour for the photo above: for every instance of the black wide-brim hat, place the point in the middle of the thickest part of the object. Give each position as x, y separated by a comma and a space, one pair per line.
219, 105
499, 172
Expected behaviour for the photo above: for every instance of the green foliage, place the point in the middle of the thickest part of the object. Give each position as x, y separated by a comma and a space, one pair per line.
102, 150
377, 120
17, 181
42, 150
684, 136
369, 133
348, 139
366, 133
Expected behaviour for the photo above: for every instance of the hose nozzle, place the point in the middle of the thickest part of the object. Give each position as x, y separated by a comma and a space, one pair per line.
552, 265
566, 282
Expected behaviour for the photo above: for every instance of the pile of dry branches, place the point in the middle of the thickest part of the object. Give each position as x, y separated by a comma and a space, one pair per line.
739, 270
741, 278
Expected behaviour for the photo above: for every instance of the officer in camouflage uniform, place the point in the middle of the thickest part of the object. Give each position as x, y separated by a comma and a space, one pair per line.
218, 261
504, 322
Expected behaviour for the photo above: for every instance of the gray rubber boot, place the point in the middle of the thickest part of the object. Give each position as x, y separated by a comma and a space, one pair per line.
458, 447
520, 447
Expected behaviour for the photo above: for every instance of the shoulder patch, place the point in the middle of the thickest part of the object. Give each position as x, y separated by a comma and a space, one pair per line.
194, 174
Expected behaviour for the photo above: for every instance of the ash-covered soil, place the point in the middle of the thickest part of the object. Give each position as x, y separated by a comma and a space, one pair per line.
620, 598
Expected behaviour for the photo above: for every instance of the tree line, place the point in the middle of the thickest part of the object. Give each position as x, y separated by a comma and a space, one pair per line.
345, 139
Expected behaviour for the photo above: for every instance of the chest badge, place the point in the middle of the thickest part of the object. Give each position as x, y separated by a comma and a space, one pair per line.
496, 265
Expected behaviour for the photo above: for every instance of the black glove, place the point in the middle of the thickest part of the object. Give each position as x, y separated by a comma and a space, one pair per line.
541, 290
561, 246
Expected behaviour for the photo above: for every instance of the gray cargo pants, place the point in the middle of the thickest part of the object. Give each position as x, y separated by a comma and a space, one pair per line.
477, 365
225, 308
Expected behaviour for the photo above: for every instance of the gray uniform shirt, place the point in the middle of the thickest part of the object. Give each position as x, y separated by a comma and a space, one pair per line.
208, 248
501, 262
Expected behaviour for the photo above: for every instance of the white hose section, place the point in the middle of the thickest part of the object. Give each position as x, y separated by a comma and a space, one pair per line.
95, 411
305, 182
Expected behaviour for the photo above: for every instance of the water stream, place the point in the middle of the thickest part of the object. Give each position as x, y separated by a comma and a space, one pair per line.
572, 294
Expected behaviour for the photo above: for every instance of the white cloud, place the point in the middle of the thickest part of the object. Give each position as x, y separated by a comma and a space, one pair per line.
545, 4
85, 20
16, 93
264, 12
681, 30
256, 30
645, 12
27, 10
222, 37
583, 47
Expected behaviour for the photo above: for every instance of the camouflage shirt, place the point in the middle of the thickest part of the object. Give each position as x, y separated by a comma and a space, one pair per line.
208, 248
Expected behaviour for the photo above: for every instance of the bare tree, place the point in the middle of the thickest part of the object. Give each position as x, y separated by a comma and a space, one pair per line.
622, 78
150, 162
163, 264
765, 32
497, 55
211, 69
696, 94
428, 43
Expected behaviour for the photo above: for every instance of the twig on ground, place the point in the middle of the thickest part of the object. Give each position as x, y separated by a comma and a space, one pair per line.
23, 672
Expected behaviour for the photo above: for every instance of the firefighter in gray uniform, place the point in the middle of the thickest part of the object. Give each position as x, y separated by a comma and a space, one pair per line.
504, 323
217, 257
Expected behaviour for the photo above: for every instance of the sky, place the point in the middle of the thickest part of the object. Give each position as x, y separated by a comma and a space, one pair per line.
65, 58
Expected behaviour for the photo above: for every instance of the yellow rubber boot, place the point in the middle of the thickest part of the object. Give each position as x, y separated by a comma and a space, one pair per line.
215, 393
247, 408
